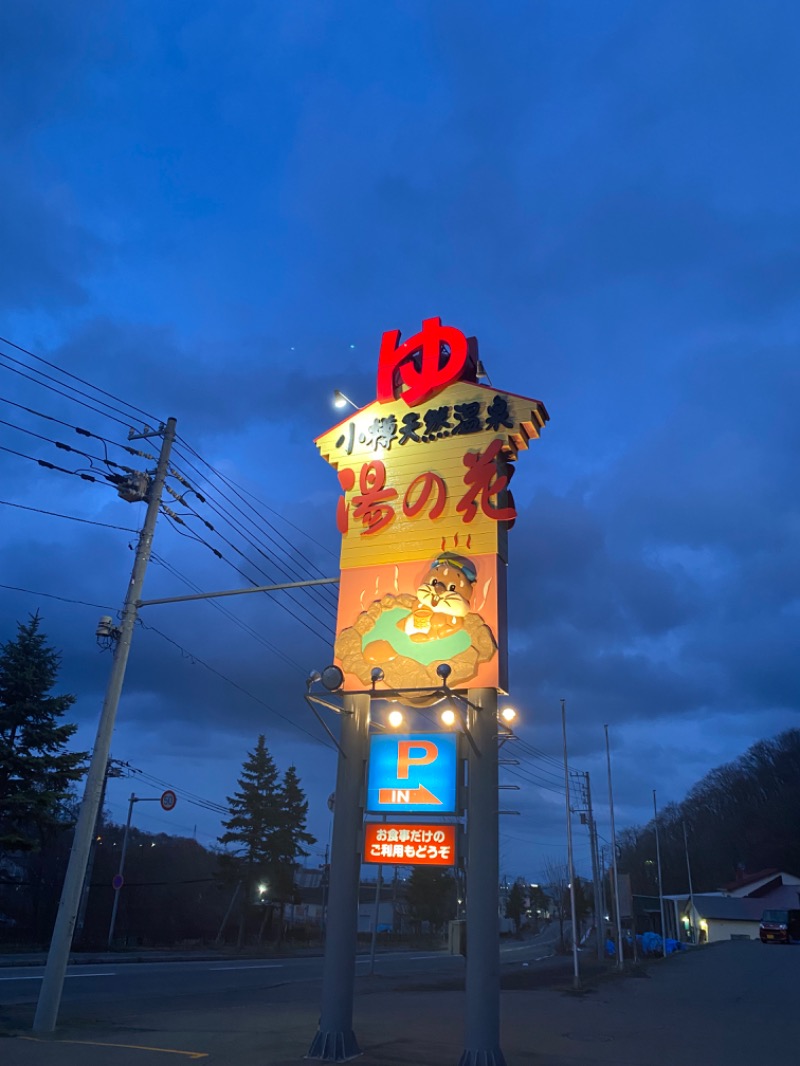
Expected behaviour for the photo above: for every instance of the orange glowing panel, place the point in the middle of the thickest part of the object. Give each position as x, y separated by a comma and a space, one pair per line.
403, 844
409, 617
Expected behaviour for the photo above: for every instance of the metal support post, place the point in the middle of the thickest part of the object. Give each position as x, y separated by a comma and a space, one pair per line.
660, 884
53, 982
576, 976
599, 915
482, 1008
120, 871
691, 892
375, 915
335, 1040
620, 954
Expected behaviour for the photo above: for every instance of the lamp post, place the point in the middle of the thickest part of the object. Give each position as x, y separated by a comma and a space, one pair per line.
118, 879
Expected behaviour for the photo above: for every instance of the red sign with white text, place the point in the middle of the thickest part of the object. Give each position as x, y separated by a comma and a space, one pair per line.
403, 844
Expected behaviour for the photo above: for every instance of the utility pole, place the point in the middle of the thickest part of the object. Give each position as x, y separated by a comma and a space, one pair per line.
620, 957
660, 885
58, 957
598, 896
576, 977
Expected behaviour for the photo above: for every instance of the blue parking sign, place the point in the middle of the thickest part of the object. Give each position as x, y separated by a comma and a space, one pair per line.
413, 773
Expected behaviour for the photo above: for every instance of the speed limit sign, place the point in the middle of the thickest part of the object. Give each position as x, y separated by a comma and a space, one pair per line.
168, 799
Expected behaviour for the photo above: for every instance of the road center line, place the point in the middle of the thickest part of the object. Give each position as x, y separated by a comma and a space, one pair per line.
264, 966
38, 977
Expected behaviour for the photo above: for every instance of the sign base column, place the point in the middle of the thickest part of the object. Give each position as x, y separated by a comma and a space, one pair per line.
482, 1036
335, 1040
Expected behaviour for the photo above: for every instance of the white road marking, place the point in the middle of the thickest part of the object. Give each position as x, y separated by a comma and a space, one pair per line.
39, 977
259, 966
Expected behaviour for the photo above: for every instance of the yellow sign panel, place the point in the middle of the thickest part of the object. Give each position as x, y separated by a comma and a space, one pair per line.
420, 481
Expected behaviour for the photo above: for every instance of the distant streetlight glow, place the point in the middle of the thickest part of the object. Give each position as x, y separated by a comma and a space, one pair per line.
395, 719
508, 714
448, 717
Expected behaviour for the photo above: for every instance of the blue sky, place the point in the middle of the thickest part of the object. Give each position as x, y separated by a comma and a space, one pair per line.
213, 211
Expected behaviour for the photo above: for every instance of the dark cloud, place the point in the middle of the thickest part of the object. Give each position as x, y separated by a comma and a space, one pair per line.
214, 213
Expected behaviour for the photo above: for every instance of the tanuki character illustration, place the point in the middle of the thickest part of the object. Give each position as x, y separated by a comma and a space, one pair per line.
443, 599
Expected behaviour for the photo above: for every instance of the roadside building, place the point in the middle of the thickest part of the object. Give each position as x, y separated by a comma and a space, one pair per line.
734, 913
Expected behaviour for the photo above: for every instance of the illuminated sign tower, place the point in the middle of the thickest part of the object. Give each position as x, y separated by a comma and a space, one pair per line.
424, 512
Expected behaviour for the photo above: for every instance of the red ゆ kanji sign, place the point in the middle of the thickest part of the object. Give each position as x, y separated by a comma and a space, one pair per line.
403, 844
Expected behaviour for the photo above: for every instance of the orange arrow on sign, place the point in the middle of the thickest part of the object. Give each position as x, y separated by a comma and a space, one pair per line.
398, 796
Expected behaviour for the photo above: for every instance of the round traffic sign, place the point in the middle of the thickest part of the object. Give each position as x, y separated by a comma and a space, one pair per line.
117, 881
168, 799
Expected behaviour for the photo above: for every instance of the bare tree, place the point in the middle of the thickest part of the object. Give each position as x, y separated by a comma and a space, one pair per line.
556, 874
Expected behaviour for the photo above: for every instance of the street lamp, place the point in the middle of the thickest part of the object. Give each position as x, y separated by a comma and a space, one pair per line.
340, 400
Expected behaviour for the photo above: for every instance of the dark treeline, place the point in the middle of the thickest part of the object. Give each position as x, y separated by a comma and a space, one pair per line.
174, 891
743, 816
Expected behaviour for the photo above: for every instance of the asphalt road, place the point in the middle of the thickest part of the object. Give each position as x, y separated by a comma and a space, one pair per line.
726, 1005
141, 985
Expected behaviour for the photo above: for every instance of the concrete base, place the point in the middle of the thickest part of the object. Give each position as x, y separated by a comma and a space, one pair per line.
482, 1058
334, 1047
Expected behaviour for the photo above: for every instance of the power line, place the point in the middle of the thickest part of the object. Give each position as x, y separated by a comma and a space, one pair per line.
67, 373
291, 552
235, 524
67, 447
238, 490
532, 780
229, 484
61, 393
78, 429
240, 688
196, 537
71, 517
190, 797
159, 561
64, 599
54, 466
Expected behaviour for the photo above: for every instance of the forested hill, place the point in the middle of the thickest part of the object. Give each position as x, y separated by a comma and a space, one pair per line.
744, 815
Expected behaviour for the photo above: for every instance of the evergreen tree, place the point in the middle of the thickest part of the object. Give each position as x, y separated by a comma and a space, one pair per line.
36, 771
255, 820
267, 828
292, 834
289, 840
